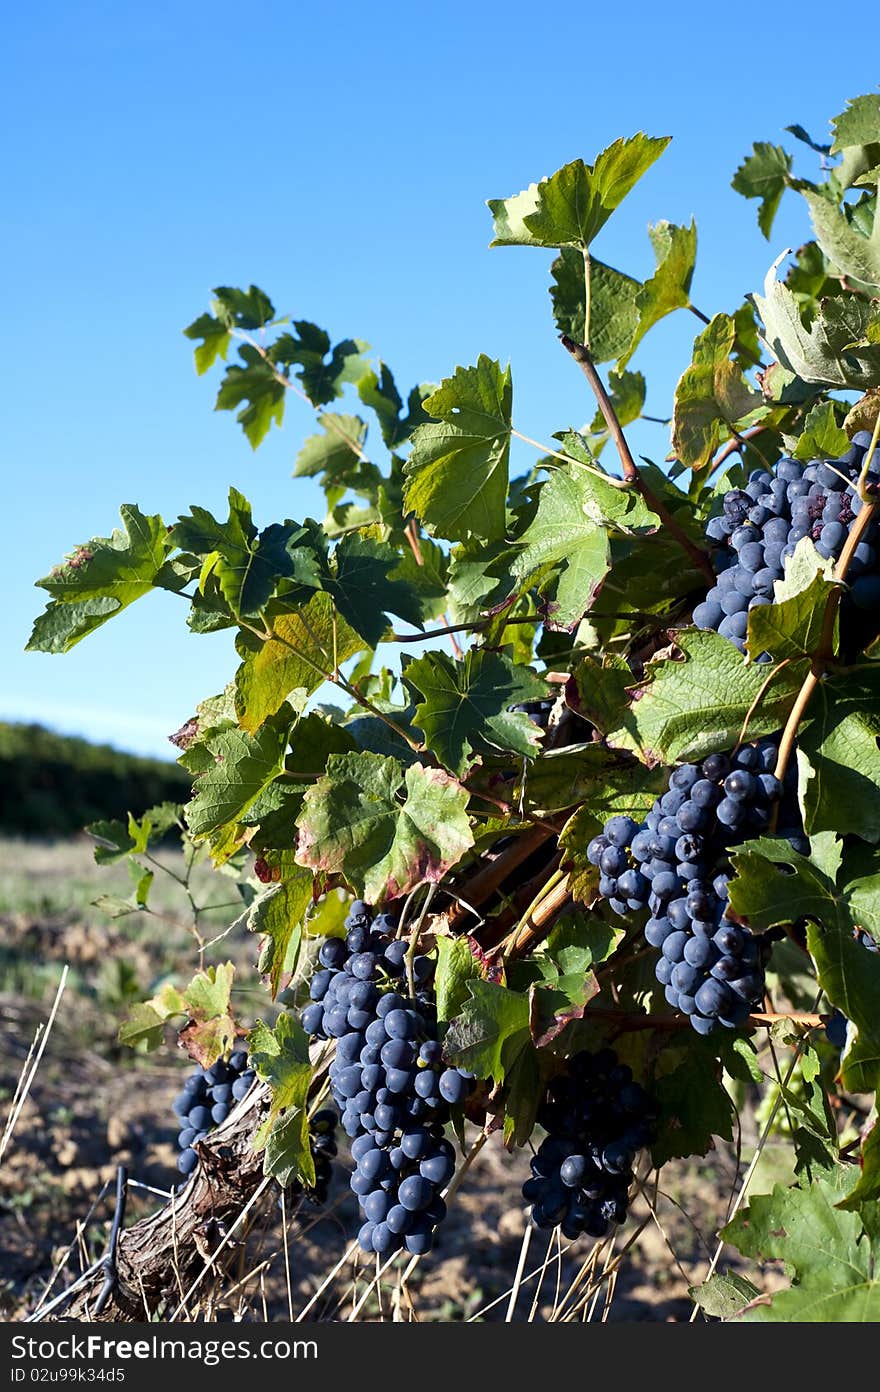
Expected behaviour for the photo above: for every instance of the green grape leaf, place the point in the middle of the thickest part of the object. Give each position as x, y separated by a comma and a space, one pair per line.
381, 394
857, 256
868, 1188
792, 625
464, 711
363, 590
428, 581
712, 395
571, 206
146, 1020
859, 124
764, 174
669, 288
456, 966
277, 914
838, 756
693, 1103
613, 312
832, 1260
247, 565
257, 385
385, 829
215, 337
323, 372
724, 1295
296, 659
335, 452
491, 1031
579, 775
850, 977
822, 437
456, 475
565, 548
244, 765
242, 309
281, 1059
835, 351
694, 704
100, 579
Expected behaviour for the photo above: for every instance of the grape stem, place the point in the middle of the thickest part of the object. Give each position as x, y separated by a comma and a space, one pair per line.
824, 654
631, 475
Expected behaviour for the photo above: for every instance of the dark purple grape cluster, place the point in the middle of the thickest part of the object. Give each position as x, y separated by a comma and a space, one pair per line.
206, 1100
597, 1120
675, 865
761, 525
389, 1079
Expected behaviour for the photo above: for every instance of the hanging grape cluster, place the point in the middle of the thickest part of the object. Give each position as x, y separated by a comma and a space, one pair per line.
388, 1078
597, 1120
675, 865
761, 524
206, 1100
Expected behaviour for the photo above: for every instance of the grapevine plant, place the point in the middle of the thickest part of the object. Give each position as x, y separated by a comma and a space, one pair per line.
554, 799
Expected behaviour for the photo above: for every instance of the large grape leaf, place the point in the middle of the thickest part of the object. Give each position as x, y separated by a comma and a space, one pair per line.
243, 766
456, 475
856, 255
836, 350
669, 288
859, 124
232, 309
100, 579
572, 205
247, 565
764, 174
712, 395
837, 892
323, 371
334, 452
277, 914
384, 829
694, 701
281, 1059
838, 755
613, 312
363, 590
465, 708
297, 658
831, 1254
694, 1106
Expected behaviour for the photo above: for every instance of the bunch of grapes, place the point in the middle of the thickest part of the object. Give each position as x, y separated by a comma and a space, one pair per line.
206, 1100
388, 1078
762, 523
597, 1119
675, 865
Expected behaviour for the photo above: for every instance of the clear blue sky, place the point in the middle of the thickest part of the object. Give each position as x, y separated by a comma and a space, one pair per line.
339, 156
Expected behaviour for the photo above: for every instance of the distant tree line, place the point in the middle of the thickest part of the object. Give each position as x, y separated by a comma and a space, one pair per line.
53, 785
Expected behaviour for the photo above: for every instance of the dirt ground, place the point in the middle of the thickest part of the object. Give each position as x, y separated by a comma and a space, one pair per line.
94, 1106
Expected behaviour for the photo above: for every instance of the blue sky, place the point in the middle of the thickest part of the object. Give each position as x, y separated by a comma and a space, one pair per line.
340, 158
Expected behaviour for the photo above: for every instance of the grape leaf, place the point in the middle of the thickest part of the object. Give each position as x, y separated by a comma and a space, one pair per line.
831, 1257
822, 437
246, 565
456, 475
627, 392
857, 256
764, 174
868, 1188
210, 1032
99, 580
694, 705
281, 1059
465, 704
859, 124
711, 394
669, 288
362, 589
835, 351
724, 1295
277, 914
613, 312
215, 337
242, 309
838, 756
244, 765
571, 206
564, 534
693, 1104
335, 451
297, 658
380, 392
257, 385
456, 966
491, 1031
384, 828
323, 377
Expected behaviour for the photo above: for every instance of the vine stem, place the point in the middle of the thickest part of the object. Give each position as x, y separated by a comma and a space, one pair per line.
537, 920
631, 476
824, 655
